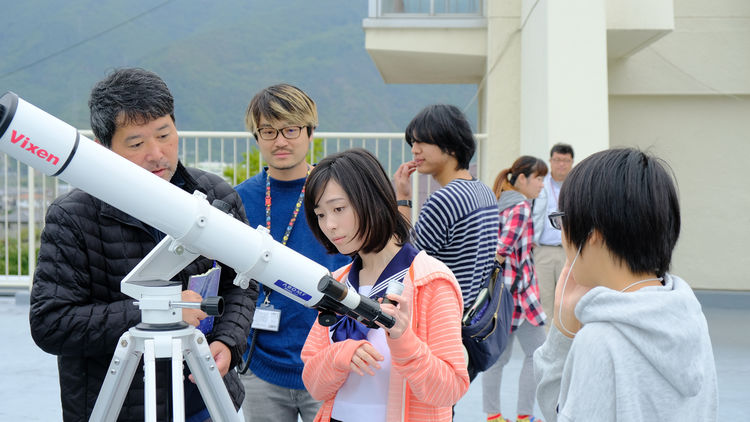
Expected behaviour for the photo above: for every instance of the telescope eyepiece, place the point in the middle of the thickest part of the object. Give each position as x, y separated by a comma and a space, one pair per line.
213, 305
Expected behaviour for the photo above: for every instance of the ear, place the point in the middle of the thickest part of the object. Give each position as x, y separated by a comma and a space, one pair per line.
596, 238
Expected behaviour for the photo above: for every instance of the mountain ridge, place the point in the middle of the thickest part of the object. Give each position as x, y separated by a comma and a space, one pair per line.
214, 57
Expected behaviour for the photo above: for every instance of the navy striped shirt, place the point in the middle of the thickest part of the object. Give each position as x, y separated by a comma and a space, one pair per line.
458, 224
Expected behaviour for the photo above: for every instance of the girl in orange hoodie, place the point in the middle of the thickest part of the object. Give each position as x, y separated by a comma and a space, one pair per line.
413, 371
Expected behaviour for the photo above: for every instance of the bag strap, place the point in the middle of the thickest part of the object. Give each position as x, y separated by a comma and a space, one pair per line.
494, 273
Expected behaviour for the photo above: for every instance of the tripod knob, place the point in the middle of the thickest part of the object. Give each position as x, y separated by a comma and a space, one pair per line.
213, 305
327, 318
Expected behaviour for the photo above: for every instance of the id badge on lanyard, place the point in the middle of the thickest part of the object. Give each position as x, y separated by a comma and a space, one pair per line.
266, 317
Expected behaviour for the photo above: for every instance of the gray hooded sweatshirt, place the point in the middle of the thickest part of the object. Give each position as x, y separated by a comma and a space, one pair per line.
640, 356
509, 198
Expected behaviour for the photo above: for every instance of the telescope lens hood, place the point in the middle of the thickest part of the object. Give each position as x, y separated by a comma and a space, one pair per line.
8, 105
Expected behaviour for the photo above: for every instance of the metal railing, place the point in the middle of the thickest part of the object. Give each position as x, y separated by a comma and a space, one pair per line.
26, 193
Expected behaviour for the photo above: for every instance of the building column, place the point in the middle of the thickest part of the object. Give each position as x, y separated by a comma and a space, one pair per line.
499, 97
564, 91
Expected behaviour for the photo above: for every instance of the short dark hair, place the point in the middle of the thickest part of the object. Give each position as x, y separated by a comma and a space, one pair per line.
562, 149
630, 198
445, 126
128, 95
370, 192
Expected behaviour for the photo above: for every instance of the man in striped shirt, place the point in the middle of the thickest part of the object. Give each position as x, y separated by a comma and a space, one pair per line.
458, 223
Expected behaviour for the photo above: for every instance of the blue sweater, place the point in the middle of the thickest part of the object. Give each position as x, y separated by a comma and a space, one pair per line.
276, 358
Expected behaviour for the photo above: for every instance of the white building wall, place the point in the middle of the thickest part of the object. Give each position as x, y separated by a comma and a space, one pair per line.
684, 96
707, 54
687, 99
706, 141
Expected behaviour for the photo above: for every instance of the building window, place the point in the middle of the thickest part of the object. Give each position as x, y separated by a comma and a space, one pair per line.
429, 8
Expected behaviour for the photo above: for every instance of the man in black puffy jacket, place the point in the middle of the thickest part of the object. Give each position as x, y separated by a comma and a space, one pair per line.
77, 310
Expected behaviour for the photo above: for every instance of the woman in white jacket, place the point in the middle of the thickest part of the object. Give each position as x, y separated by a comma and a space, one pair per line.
629, 341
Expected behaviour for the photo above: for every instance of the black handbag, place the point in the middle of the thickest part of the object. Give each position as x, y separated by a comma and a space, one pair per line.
486, 324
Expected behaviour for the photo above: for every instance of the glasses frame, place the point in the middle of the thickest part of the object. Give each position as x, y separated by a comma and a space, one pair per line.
555, 219
561, 160
281, 131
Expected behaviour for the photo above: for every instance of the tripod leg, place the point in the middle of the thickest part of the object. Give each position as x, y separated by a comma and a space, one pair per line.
178, 392
149, 382
208, 379
117, 382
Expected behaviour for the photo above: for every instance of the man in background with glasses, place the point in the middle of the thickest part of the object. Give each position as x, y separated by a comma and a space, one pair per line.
282, 118
549, 256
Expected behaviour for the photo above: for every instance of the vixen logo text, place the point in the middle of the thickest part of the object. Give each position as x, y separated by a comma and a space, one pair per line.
25, 143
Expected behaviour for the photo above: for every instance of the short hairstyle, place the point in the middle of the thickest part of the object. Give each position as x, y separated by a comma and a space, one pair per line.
282, 102
370, 193
561, 148
526, 165
630, 198
445, 126
128, 96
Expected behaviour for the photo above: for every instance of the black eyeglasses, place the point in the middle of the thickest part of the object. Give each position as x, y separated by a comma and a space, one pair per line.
270, 133
555, 219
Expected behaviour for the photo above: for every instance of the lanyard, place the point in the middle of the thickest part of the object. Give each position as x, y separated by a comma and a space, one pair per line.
294, 213
555, 192
291, 221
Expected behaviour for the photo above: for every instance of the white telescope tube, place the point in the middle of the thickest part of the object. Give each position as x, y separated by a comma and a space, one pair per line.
55, 148
52, 146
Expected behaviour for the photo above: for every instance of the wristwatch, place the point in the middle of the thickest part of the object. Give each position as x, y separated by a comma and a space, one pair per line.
404, 203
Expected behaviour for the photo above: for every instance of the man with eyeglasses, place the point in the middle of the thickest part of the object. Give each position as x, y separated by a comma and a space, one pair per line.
549, 256
282, 118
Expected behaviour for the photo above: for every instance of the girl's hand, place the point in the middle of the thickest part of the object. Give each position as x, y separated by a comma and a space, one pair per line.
364, 359
401, 313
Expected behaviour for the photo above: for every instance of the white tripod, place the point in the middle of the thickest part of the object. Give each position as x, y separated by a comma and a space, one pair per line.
163, 334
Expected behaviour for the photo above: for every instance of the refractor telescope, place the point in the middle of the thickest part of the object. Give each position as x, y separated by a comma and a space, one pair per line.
193, 226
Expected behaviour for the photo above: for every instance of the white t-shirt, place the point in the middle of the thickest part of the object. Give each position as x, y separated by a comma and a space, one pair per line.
364, 398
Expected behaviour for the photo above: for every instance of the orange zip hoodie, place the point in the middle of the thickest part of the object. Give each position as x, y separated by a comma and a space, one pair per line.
428, 369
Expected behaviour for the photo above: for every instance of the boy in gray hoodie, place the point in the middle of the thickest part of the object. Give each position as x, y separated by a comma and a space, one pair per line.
629, 341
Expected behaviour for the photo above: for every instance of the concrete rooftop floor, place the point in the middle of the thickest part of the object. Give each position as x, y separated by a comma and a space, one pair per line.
30, 390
